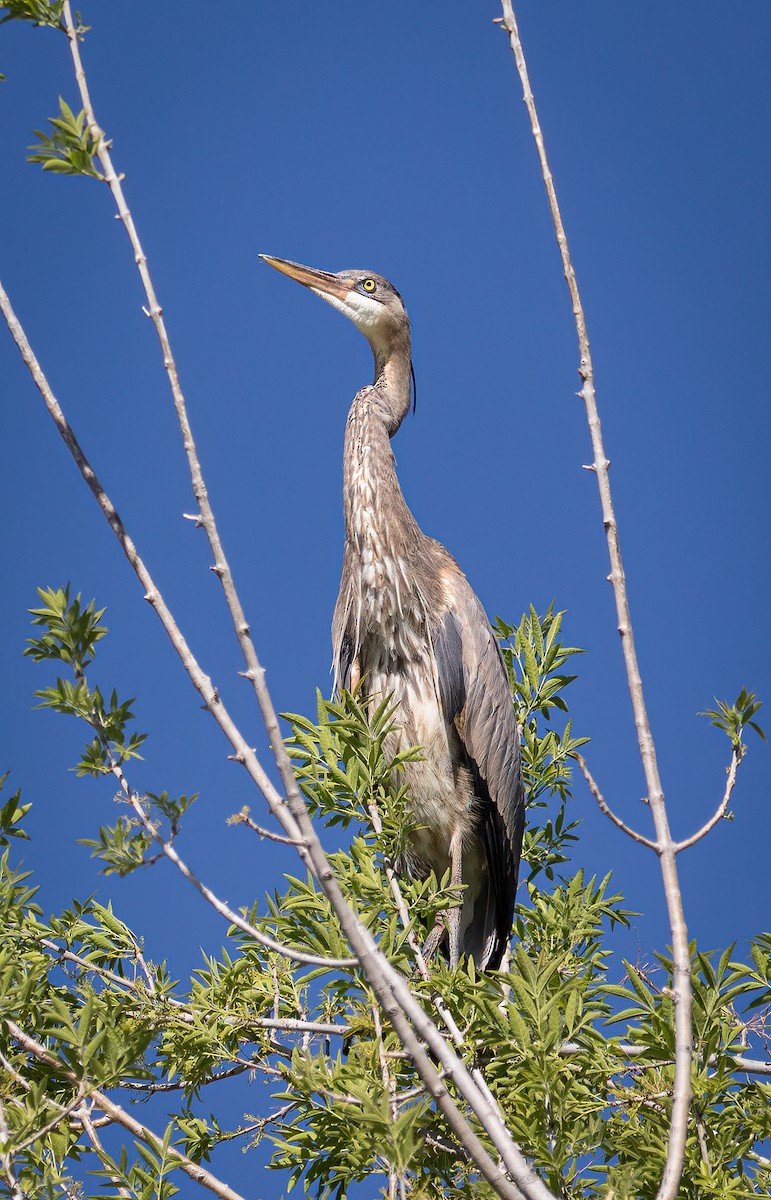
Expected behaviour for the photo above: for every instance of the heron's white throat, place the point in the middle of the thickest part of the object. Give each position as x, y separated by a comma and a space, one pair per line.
367, 314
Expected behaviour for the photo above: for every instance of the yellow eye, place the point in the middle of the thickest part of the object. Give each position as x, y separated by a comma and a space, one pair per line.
369, 285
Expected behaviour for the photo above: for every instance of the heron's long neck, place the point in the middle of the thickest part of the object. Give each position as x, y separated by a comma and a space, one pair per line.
377, 519
393, 366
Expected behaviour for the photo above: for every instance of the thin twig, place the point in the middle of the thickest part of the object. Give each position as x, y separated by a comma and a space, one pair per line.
298, 956
629, 1102
720, 812
145, 971
64, 1111
243, 818
389, 1081
605, 808
702, 1136
295, 1025
84, 1116
130, 1085
667, 853
259, 1125
96, 968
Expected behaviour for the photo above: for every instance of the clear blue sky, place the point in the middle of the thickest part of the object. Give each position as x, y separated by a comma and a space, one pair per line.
393, 137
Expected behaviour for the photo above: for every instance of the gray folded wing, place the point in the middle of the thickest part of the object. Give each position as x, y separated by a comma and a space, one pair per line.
475, 695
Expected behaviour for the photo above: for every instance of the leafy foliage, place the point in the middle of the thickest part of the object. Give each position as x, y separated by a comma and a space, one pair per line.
734, 718
732, 1115
71, 146
38, 12
579, 1064
534, 658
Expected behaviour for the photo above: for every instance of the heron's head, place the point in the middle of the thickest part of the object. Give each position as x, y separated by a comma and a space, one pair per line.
369, 300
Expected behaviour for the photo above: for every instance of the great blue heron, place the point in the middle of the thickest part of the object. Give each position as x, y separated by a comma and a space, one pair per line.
408, 624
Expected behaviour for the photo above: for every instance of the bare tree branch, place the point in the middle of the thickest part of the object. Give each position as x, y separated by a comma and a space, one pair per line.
84, 1117
243, 818
752, 1066
605, 808
721, 810
255, 673
295, 1025
749, 1066
667, 851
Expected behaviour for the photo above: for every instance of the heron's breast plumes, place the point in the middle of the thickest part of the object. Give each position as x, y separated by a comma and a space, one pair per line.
386, 598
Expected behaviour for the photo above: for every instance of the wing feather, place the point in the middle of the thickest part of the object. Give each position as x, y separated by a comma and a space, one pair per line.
475, 694
343, 633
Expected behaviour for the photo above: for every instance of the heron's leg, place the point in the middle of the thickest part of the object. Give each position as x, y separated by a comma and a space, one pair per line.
453, 916
434, 939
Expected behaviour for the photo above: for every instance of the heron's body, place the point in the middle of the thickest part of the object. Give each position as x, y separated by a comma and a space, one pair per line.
408, 624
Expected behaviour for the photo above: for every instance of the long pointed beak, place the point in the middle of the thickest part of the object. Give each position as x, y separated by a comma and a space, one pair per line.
320, 281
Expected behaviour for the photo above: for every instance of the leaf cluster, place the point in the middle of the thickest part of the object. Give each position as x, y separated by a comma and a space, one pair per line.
71, 634
535, 656
734, 718
70, 148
